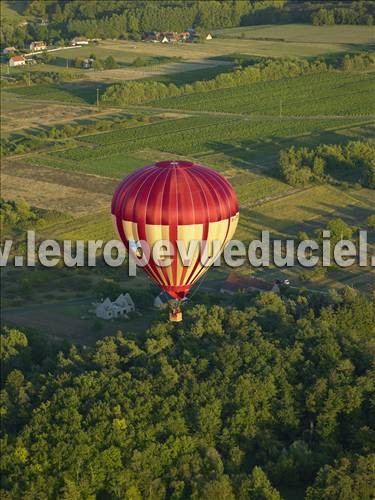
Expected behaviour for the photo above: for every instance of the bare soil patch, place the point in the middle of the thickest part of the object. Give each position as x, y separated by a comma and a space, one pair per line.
42, 114
53, 189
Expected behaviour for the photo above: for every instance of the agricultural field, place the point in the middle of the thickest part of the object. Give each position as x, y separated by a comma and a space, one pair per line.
198, 134
158, 71
82, 93
318, 41
255, 380
303, 33
23, 114
332, 93
55, 189
239, 132
303, 210
115, 166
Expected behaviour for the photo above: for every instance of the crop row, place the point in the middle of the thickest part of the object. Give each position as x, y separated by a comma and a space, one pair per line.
262, 188
326, 93
153, 130
213, 137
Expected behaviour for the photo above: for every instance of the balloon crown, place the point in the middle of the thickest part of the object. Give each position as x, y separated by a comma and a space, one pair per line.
174, 164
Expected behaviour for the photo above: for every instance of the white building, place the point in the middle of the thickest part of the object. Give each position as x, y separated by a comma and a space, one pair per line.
117, 309
37, 46
79, 41
17, 61
208, 36
9, 50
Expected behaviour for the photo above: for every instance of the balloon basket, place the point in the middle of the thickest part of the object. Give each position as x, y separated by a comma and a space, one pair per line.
175, 316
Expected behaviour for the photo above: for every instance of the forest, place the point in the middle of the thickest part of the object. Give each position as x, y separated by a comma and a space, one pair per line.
129, 19
238, 402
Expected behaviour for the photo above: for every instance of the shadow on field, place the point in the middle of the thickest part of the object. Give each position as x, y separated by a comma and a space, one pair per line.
256, 156
354, 215
84, 89
257, 221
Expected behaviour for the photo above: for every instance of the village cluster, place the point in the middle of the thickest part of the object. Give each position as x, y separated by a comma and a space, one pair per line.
39, 46
189, 35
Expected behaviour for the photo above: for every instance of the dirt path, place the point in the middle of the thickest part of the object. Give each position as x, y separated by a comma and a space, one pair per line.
248, 116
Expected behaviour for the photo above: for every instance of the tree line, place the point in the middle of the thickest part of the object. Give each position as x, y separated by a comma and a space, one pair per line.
131, 19
347, 13
135, 92
328, 163
234, 403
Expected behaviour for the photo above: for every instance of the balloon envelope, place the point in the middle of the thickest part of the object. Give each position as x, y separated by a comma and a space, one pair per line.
176, 200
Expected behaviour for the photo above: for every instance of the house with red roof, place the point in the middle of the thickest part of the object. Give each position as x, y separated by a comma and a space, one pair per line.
17, 61
237, 283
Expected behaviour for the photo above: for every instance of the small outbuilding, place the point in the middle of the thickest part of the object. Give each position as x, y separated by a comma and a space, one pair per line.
87, 63
9, 50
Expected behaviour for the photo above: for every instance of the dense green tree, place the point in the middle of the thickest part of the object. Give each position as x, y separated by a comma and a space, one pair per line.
109, 63
281, 387
124, 18
258, 487
322, 17
347, 479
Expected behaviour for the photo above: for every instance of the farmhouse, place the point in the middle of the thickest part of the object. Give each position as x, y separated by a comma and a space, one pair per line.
79, 41
9, 50
118, 309
36, 46
236, 283
17, 61
167, 36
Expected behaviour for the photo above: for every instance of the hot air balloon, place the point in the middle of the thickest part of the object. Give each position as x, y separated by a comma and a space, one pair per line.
171, 201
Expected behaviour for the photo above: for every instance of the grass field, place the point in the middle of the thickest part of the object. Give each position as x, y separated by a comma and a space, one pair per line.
304, 210
304, 33
317, 41
80, 94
